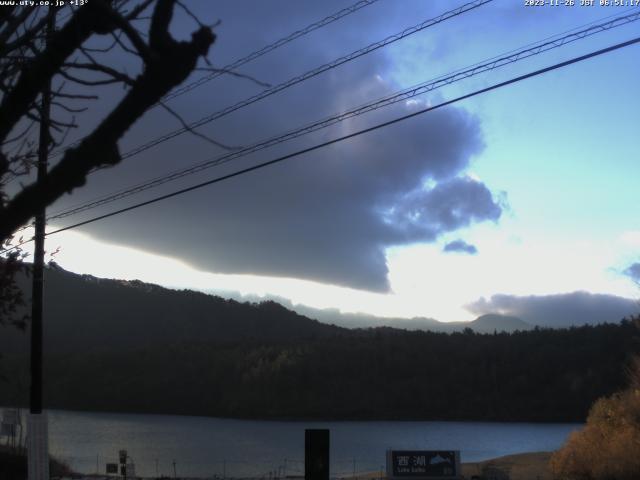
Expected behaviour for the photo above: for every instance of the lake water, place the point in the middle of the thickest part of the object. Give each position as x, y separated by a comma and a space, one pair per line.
206, 447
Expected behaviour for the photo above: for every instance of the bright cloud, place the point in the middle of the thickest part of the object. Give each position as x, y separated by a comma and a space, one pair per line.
424, 281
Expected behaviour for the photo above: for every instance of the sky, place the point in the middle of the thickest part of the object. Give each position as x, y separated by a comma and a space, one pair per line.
520, 201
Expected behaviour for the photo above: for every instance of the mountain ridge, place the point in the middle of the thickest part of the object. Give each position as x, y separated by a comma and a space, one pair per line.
137, 347
87, 312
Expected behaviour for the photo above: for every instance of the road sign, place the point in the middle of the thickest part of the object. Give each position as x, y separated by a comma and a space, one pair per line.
123, 457
423, 464
112, 468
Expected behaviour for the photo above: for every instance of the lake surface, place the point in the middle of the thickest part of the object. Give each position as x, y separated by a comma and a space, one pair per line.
206, 447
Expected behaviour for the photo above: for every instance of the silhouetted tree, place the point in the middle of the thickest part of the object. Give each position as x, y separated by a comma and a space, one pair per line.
67, 57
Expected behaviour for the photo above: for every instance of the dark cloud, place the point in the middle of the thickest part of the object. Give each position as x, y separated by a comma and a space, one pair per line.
633, 271
326, 216
561, 310
460, 246
424, 214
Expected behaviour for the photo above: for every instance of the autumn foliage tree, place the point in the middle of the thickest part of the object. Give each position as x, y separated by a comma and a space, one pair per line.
608, 447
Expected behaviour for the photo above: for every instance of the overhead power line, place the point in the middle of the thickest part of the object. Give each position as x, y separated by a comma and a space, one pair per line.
340, 139
272, 46
253, 55
349, 136
309, 74
305, 76
406, 94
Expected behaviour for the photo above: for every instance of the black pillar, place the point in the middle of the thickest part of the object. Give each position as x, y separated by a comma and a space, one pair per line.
35, 401
316, 454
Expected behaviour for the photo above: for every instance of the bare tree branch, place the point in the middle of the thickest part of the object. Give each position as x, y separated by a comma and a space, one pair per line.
233, 73
138, 10
13, 24
88, 83
191, 130
132, 34
75, 96
68, 109
28, 36
88, 20
167, 64
112, 72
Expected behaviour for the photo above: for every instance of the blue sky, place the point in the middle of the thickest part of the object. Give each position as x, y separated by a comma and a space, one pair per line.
565, 145
557, 155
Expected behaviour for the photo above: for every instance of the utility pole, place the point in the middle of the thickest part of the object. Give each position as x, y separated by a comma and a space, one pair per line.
38, 451
174, 469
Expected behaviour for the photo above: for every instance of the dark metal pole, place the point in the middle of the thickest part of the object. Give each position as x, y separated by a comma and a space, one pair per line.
38, 450
38, 256
316, 454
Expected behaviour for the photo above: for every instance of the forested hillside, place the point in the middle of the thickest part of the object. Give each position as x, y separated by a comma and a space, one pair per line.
538, 375
85, 314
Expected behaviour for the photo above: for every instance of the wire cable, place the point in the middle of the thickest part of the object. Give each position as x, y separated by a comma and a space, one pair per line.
254, 55
378, 126
309, 74
272, 46
406, 94
354, 134
305, 76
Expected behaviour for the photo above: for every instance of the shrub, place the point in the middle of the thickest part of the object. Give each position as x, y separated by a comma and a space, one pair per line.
608, 448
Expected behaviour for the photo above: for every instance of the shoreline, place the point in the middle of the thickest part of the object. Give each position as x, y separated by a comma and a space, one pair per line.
519, 466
